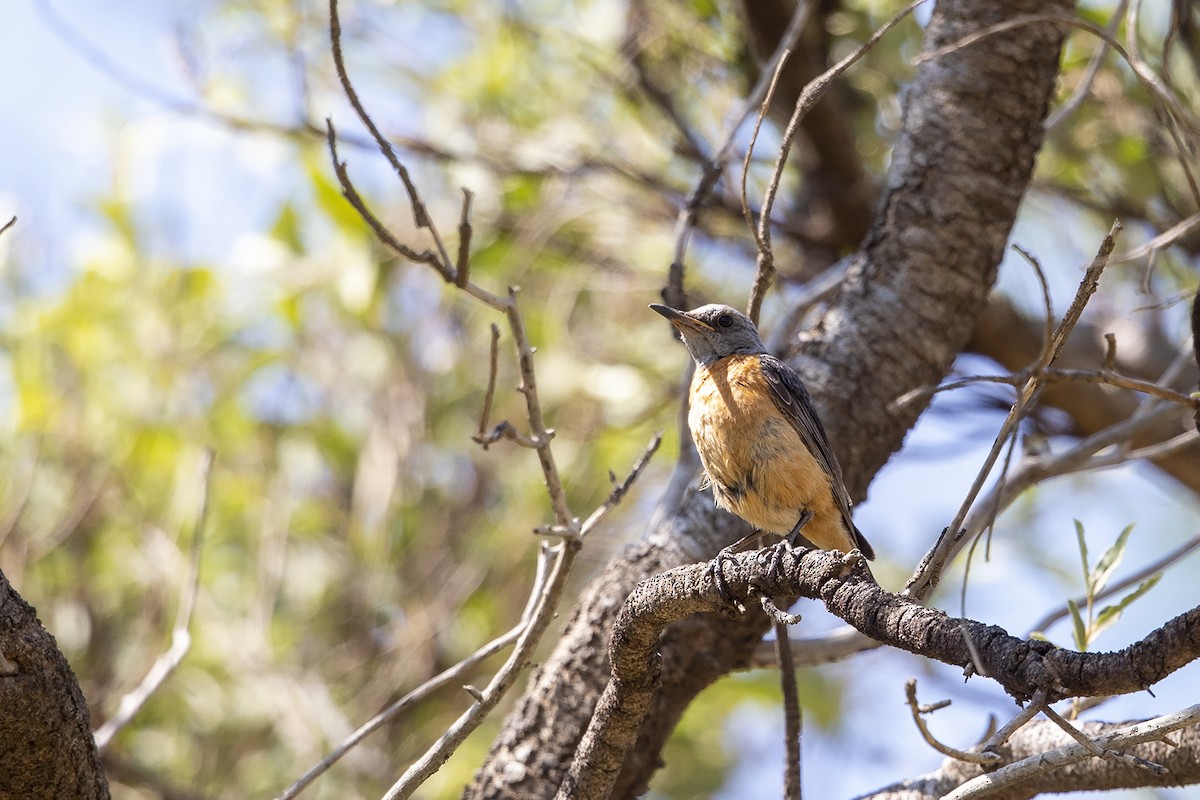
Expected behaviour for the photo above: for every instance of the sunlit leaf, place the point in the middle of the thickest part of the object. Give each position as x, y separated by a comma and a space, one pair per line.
1110, 614
1109, 561
1083, 553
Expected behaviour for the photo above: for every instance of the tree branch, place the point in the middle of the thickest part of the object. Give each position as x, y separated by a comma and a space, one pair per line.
1180, 758
1022, 667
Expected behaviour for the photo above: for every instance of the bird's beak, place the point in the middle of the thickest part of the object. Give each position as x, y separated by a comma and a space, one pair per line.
680, 319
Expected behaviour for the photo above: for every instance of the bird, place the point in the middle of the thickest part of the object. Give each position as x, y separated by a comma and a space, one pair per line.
760, 440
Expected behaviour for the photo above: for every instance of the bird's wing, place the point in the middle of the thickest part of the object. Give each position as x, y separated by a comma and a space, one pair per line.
793, 400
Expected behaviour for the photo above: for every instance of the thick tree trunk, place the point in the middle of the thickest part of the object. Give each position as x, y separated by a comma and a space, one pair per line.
46, 744
973, 127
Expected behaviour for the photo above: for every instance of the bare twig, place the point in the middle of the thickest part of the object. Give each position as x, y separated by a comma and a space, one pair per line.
400, 706
490, 394
1164, 239
621, 489
537, 620
377, 227
8, 225
533, 412
1006, 731
928, 574
462, 264
910, 694
1146, 76
1069, 729
1089, 75
565, 554
1110, 352
777, 614
758, 121
181, 637
1055, 375
689, 215
421, 216
1097, 750
546, 594
809, 96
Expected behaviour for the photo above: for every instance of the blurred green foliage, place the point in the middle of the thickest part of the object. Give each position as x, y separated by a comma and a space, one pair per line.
358, 541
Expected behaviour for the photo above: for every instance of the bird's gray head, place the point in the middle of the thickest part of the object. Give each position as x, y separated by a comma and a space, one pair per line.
714, 331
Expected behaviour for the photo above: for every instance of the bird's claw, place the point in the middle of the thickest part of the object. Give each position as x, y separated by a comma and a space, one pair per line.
771, 558
717, 568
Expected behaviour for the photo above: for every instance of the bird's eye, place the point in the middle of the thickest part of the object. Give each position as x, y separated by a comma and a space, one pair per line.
724, 320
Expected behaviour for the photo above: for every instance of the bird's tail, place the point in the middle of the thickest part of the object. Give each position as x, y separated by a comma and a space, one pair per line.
862, 544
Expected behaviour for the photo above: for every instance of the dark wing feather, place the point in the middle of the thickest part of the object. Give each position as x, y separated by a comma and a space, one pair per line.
794, 402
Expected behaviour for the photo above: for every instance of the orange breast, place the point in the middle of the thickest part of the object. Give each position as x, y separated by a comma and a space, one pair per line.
756, 461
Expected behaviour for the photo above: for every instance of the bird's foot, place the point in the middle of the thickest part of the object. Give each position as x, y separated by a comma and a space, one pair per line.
771, 558
716, 568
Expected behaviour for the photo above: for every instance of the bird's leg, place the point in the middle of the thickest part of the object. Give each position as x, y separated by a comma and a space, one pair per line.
805, 517
774, 554
716, 567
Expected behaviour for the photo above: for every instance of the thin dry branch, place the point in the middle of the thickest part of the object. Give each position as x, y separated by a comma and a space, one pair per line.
397, 708
545, 596
421, 216
1164, 239
1089, 75
918, 712
181, 636
543, 612
809, 96
689, 214
928, 573
1006, 731
7, 225
1146, 76
489, 395
1106, 375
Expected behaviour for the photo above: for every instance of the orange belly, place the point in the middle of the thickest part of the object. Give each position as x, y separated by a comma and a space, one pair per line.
758, 465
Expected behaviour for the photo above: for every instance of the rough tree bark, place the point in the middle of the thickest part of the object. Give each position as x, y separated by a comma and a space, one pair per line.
46, 745
972, 129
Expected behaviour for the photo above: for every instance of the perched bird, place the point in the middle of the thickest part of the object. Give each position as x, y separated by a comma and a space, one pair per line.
758, 435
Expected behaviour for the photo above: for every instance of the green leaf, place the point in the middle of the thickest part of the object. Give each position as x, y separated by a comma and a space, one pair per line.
1083, 554
287, 228
1109, 562
1080, 632
1110, 614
